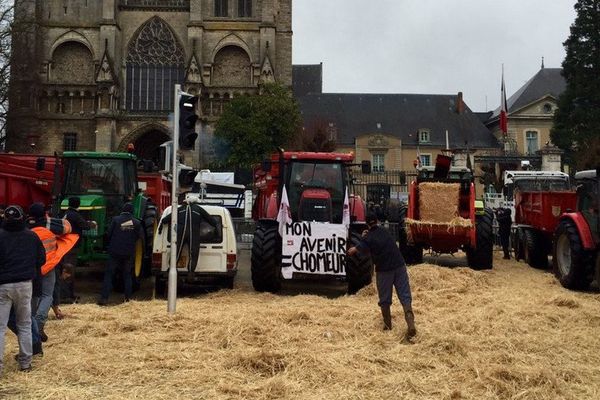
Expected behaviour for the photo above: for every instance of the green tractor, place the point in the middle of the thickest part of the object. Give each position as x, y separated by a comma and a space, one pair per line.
104, 182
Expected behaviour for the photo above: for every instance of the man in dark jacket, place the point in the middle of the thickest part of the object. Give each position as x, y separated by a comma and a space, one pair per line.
124, 232
78, 225
391, 272
21, 254
504, 218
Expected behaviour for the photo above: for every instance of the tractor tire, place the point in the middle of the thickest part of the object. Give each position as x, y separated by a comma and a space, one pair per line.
150, 224
534, 249
482, 256
266, 259
517, 240
359, 268
160, 287
413, 254
569, 259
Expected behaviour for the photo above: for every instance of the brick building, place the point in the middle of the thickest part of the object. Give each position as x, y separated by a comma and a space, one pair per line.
97, 75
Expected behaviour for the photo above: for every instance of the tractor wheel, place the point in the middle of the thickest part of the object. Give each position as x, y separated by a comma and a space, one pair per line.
138, 265
150, 224
569, 258
160, 287
534, 249
359, 268
482, 256
517, 240
412, 254
266, 259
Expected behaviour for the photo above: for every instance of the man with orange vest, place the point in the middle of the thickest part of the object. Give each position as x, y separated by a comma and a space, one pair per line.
58, 240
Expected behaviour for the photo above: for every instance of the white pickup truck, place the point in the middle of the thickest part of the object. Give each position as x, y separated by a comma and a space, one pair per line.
216, 258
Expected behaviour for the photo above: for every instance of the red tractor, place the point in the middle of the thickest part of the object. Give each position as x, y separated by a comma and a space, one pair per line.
576, 257
539, 203
316, 184
465, 228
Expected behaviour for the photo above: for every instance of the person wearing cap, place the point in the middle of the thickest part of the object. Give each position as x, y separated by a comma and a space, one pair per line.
123, 234
390, 270
57, 239
21, 255
78, 225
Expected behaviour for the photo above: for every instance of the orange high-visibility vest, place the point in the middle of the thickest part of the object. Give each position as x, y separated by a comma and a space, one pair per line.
56, 246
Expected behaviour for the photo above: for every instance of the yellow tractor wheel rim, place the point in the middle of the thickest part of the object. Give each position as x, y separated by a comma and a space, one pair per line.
139, 257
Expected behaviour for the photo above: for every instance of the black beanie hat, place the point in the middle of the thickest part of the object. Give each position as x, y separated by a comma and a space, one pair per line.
14, 213
74, 202
37, 211
128, 208
371, 217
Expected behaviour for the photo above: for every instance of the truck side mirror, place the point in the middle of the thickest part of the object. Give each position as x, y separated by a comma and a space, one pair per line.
266, 165
365, 166
40, 164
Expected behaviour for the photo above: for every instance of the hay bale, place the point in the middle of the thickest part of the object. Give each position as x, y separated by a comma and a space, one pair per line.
438, 202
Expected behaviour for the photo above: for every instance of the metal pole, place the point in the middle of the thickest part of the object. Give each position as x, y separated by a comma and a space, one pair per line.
172, 283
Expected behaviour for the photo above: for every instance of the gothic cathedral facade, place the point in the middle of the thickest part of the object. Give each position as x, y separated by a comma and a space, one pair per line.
96, 75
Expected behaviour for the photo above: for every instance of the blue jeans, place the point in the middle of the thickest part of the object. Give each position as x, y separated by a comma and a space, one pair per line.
35, 332
45, 301
388, 280
17, 295
125, 264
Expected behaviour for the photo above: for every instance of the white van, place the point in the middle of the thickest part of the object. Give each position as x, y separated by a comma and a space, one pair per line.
217, 258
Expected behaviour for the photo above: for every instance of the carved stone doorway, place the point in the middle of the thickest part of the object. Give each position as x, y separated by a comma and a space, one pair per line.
147, 145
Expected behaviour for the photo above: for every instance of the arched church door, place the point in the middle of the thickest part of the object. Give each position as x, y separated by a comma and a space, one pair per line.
147, 145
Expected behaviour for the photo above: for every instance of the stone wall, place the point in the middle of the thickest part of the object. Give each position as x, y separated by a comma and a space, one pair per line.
55, 90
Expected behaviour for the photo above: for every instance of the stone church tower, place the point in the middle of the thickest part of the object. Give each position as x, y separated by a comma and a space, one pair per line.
99, 74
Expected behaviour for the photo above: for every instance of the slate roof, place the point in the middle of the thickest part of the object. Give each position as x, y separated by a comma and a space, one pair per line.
400, 115
548, 81
307, 79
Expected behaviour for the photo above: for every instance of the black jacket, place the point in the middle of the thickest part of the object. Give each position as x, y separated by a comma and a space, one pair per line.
78, 223
503, 215
384, 252
21, 254
123, 233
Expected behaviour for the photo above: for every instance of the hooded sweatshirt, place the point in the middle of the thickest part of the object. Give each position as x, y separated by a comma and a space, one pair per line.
21, 253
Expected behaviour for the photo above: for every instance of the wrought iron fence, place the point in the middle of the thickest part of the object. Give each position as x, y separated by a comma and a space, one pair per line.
378, 187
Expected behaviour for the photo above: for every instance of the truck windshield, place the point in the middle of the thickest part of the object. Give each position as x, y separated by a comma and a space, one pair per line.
95, 175
309, 175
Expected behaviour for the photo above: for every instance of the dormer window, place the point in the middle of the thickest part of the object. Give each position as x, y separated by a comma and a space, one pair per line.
547, 108
424, 136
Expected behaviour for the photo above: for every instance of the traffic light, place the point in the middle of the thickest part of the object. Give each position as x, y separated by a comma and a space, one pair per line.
187, 121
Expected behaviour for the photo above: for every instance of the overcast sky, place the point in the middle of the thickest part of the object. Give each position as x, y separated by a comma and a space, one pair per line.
430, 46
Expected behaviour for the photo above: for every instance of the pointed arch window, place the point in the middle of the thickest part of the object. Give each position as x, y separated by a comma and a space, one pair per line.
221, 8
155, 63
244, 8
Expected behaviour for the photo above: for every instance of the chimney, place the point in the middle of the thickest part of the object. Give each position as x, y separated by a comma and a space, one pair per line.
460, 104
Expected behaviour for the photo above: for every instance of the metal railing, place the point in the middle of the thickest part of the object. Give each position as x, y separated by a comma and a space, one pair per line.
168, 4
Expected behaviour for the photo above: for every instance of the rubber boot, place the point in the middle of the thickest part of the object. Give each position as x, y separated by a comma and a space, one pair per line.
409, 316
387, 318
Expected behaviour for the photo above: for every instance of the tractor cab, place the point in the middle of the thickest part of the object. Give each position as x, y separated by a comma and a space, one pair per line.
104, 182
316, 190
